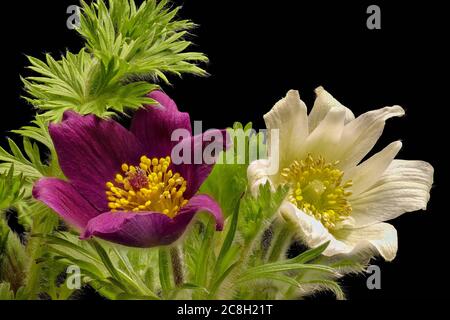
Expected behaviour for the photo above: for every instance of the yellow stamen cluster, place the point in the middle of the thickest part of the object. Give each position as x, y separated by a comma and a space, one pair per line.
317, 189
151, 186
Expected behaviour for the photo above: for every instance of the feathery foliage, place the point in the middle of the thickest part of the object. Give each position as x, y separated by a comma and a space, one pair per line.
10, 188
128, 49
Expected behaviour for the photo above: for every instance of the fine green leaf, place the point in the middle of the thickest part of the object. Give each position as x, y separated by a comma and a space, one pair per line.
329, 285
5, 291
128, 49
310, 254
257, 213
229, 237
228, 180
164, 270
11, 188
264, 270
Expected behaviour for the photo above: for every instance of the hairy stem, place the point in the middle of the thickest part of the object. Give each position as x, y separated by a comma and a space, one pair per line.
280, 243
44, 225
177, 265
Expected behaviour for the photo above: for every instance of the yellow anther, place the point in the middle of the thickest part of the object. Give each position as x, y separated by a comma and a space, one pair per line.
148, 186
317, 188
145, 160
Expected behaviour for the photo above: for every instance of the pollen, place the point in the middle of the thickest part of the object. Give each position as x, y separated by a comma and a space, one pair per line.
149, 186
317, 189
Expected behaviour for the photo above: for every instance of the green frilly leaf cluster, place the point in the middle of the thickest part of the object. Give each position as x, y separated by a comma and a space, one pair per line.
128, 50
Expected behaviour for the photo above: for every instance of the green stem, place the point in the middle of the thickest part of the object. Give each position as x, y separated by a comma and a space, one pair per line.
280, 243
164, 271
247, 251
201, 272
35, 248
137, 281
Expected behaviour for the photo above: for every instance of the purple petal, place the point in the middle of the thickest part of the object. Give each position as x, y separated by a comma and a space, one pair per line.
68, 114
91, 151
132, 229
196, 167
63, 198
149, 229
154, 125
201, 202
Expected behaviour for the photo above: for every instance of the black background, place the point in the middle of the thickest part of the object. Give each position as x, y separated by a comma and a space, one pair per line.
258, 51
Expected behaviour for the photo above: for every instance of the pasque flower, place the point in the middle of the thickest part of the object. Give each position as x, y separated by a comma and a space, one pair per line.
334, 195
122, 184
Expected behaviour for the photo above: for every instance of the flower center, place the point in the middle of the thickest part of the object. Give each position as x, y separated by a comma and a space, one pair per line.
151, 186
317, 189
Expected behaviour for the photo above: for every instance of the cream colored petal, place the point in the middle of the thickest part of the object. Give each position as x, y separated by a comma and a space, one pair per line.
324, 139
289, 116
325, 102
367, 173
311, 231
360, 135
381, 237
257, 175
404, 187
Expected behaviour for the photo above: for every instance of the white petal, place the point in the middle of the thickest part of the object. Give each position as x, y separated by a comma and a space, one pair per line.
323, 140
257, 175
325, 102
312, 231
360, 135
289, 116
404, 187
381, 236
367, 173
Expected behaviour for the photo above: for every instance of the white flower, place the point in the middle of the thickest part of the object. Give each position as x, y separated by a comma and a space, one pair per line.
333, 195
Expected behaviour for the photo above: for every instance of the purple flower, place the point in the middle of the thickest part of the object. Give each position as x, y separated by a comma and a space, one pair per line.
122, 184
